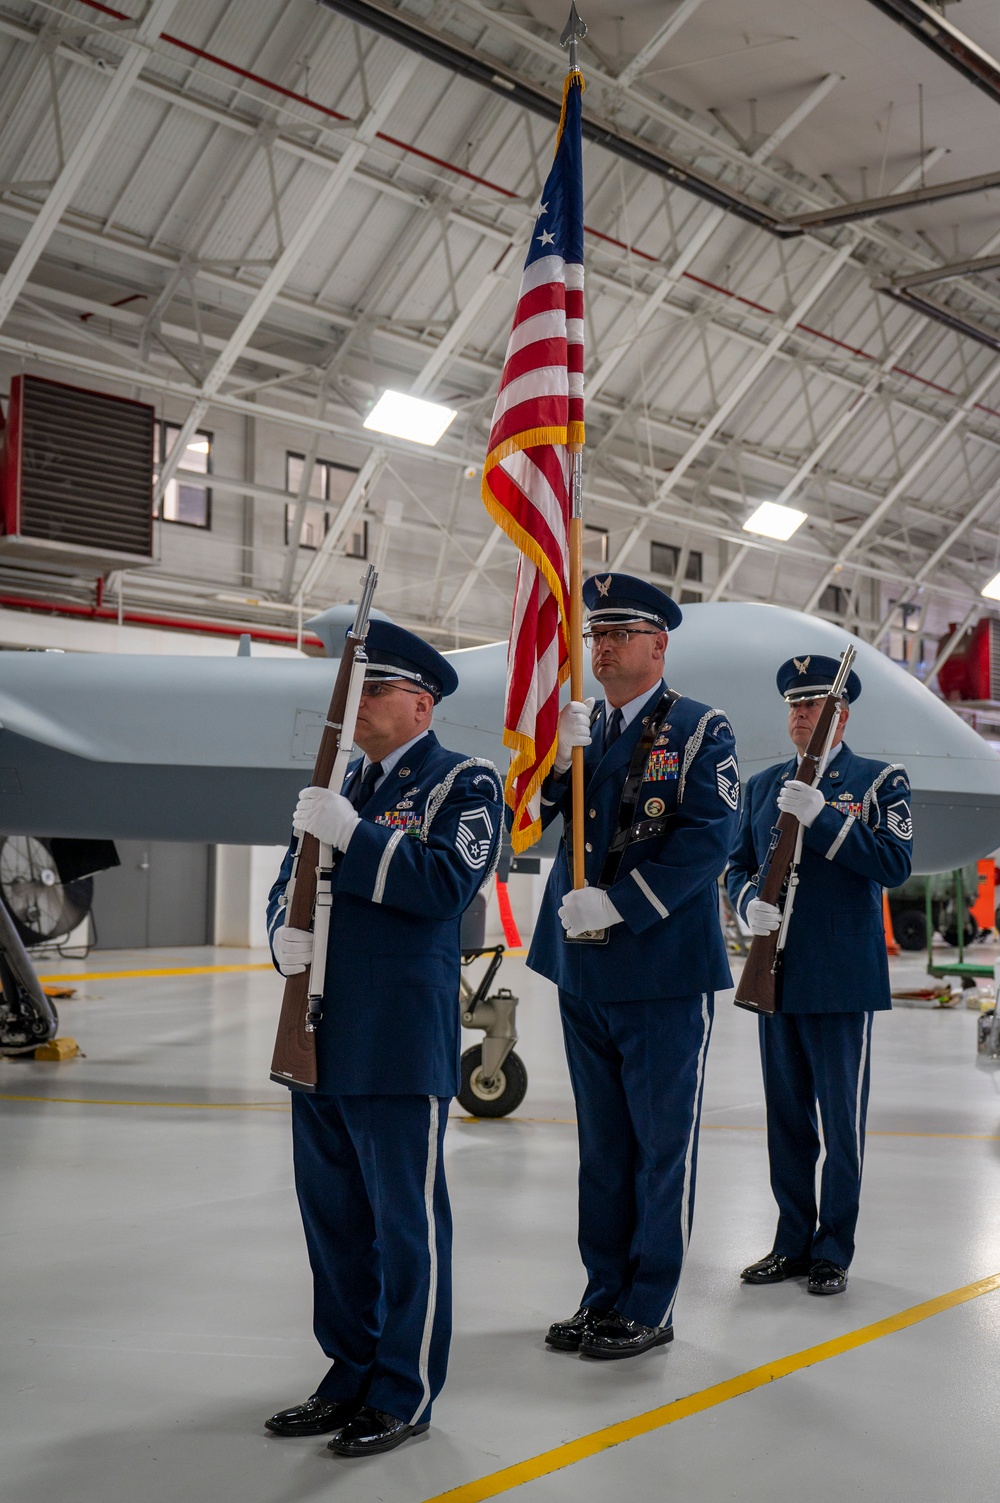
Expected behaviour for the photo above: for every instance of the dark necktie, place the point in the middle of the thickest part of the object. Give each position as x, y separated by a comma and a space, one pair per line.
364, 787
613, 729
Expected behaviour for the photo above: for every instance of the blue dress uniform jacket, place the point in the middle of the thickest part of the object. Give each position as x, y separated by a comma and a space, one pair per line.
368, 1145
816, 1050
390, 1007
835, 957
637, 1011
670, 944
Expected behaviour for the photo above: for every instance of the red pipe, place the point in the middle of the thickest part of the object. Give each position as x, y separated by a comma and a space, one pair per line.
484, 182
147, 618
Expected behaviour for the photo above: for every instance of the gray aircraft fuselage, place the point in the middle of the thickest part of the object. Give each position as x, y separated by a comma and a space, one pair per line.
215, 749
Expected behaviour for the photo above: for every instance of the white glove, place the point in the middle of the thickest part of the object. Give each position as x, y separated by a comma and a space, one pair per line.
293, 949
574, 730
329, 816
801, 800
587, 908
762, 918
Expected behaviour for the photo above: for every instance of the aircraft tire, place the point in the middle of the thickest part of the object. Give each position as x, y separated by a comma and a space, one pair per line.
506, 1093
910, 928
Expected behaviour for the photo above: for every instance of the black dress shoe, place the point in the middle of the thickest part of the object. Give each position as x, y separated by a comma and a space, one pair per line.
827, 1278
618, 1337
566, 1335
371, 1432
315, 1417
775, 1268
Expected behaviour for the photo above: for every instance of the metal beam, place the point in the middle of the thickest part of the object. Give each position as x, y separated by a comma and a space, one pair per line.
352, 503
657, 41
971, 266
983, 505
298, 242
472, 578
953, 641
733, 398
905, 480
704, 232
452, 341
892, 203
850, 412
80, 159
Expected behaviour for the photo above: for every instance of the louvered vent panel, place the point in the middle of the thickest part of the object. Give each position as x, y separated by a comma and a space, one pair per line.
994, 658
86, 469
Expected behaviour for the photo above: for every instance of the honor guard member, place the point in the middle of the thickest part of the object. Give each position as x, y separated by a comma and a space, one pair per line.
637, 956
418, 834
833, 976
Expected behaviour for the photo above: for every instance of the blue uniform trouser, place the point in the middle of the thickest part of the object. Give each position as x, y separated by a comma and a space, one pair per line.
812, 1059
638, 1070
369, 1174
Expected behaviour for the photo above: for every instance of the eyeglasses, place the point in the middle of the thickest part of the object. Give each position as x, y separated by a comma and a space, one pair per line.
618, 636
378, 687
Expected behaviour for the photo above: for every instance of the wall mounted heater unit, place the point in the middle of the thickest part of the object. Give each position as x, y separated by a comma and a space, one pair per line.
76, 477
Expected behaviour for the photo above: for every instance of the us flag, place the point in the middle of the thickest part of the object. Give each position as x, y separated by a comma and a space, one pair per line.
527, 477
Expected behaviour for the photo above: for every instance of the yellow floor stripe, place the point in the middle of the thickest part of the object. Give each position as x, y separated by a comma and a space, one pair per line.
185, 970
707, 1398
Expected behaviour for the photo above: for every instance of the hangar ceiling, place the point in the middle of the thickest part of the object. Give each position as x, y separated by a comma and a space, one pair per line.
259, 216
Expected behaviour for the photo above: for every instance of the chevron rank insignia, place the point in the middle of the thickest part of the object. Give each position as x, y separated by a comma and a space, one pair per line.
899, 819
474, 837
727, 779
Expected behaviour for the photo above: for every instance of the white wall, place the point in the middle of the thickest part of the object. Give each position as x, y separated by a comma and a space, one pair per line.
243, 878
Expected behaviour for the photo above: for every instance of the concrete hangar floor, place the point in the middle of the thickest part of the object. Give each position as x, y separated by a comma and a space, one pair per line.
156, 1295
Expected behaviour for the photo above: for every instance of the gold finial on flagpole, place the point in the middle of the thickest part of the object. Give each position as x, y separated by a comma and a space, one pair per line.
573, 32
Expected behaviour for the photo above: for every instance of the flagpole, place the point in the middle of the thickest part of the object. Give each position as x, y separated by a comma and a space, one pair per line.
576, 652
574, 31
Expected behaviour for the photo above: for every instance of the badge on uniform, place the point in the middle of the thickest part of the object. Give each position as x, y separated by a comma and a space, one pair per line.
727, 780
899, 820
654, 807
844, 805
661, 767
474, 837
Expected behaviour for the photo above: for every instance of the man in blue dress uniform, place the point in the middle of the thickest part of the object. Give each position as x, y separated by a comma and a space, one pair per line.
418, 834
833, 975
637, 956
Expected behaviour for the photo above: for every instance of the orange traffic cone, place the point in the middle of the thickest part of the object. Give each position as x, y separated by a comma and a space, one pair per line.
891, 942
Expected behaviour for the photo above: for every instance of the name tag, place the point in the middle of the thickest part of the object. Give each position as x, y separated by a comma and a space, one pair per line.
661, 767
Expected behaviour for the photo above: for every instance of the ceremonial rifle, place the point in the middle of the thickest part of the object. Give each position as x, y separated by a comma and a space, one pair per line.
756, 990
309, 892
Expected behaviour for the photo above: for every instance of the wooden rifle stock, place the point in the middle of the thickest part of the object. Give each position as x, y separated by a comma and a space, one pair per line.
757, 986
294, 1060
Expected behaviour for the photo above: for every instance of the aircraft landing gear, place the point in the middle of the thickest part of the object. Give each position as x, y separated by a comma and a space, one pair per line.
27, 1017
494, 1079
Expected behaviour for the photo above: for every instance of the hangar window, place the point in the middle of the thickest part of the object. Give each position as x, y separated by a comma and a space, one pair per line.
595, 545
833, 600
185, 499
664, 558
329, 485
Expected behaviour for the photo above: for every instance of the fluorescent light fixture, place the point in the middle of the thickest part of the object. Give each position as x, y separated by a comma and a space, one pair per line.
992, 590
774, 521
409, 417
